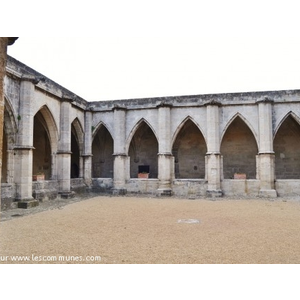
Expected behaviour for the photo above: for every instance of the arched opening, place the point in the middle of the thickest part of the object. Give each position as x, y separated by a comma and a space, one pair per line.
42, 147
189, 151
9, 132
4, 171
239, 150
287, 150
102, 150
143, 152
75, 156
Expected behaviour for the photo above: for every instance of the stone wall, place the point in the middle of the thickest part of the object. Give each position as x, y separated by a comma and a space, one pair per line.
239, 150
3, 46
191, 145
189, 150
143, 152
102, 150
189, 188
241, 187
42, 148
45, 190
288, 187
102, 185
287, 150
142, 186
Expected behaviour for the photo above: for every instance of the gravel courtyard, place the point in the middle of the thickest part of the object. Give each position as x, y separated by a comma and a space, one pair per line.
114, 230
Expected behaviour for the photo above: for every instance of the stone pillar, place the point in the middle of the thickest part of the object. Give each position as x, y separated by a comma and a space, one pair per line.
165, 157
3, 48
121, 160
4, 42
64, 149
213, 155
266, 155
87, 152
24, 144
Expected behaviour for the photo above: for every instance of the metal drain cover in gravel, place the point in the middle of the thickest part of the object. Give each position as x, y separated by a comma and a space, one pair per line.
188, 221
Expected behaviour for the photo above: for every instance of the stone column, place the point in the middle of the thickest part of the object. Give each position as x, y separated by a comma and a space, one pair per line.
266, 155
213, 155
3, 49
165, 157
121, 160
64, 149
4, 42
24, 144
87, 152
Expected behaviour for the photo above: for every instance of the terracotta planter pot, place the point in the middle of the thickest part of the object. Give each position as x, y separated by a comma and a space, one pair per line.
38, 177
240, 176
143, 175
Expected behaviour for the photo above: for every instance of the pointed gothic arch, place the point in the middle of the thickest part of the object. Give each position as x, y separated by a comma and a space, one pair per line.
239, 149
189, 150
286, 147
10, 123
289, 114
45, 139
77, 140
179, 127
51, 126
78, 133
245, 120
143, 150
99, 126
134, 130
102, 150
9, 138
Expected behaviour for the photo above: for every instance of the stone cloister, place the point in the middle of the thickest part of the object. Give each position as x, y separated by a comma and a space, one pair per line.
241, 144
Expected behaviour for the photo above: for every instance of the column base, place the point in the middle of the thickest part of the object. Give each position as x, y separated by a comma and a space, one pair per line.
119, 192
28, 203
214, 193
67, 195
164, 192
268, 194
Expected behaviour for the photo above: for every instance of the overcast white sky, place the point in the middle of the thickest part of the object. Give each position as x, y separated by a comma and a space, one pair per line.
134, 49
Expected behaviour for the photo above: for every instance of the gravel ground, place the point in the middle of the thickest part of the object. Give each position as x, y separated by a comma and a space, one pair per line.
131, 230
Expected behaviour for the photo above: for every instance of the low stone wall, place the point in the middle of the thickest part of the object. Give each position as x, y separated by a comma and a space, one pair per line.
142, 186
189, 188
7, 195
78, 186
102, 185
45, 190
287, 187
183, 188
240, 187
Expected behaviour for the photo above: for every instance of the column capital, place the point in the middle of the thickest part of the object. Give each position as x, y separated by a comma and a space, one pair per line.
213, 153
166, 154
32, 78
23, 147
266, 152
66, 98
119, 107
120, 154
11, 40
87, 155
63, 152
264, 100
164, 104
213, 103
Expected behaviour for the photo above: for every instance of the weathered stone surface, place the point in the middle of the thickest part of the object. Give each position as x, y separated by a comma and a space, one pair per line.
28, 203
191, 145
